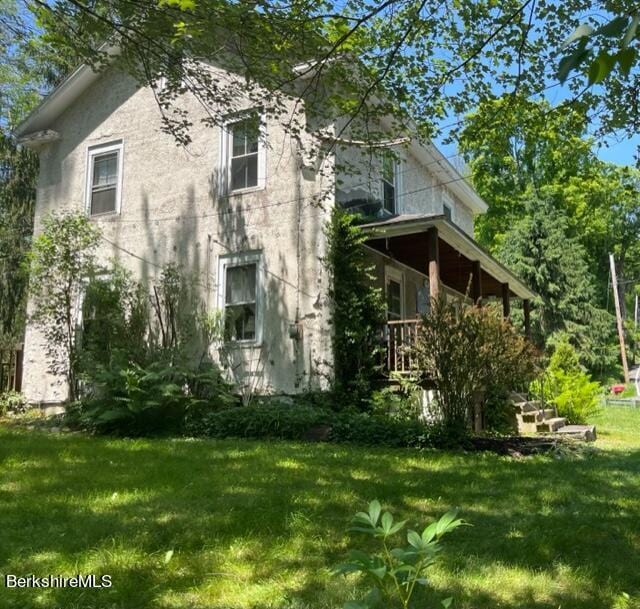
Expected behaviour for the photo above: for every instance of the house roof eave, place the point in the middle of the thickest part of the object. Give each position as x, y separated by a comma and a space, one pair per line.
454, 236
62, 96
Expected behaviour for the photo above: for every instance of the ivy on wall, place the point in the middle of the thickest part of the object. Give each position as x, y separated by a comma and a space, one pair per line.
358, 309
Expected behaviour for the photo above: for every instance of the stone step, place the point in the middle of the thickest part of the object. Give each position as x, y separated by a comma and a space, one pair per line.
536, 416
552, 424
527, 427
580, 432
529, 406
518, 397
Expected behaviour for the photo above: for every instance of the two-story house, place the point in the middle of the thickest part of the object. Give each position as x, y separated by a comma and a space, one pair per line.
243, 209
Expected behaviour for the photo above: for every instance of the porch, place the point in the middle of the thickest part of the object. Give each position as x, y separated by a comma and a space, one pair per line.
420, 257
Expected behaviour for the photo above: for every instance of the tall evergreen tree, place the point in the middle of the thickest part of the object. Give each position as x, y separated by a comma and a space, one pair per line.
541, 250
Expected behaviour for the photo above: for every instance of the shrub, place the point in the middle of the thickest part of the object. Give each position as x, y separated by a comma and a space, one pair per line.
301, 422
401, 401
275, 420
137, 400
568, 387
12, 401
361, 428
499, 411
62, 257
115, 321
462, 350
576, 397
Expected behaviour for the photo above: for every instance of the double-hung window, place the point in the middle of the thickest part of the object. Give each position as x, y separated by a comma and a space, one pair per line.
104, 179
389, 183
244, 153
240, 296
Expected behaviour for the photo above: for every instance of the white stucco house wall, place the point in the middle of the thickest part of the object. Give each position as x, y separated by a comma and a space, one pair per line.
246, 216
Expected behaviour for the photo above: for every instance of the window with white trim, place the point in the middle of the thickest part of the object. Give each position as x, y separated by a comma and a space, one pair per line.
244, 153
240, 296
389, 182
104, 179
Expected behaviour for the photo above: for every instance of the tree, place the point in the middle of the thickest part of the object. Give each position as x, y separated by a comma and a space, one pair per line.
416, 60
530, 151
63, 259
603, 50
28, 68
18, 171
533, 152
541, 251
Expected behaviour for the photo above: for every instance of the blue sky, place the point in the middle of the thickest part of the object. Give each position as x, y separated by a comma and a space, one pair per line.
621, 152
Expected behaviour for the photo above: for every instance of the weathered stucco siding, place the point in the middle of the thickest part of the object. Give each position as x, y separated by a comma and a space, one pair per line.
419, 191
171, 212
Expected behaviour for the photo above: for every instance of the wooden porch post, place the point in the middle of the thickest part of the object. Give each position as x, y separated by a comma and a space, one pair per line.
506, 303
433, 262
526, 306
476, 283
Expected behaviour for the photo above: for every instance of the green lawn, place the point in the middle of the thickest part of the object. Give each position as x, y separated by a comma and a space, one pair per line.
256, 524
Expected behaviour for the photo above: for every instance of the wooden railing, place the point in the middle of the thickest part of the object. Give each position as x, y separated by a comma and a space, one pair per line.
400, 337
11, 369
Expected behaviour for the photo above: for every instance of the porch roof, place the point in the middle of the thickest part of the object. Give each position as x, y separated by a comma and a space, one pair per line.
457, 252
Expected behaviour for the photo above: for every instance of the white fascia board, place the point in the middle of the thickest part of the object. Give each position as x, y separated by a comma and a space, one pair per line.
67, 92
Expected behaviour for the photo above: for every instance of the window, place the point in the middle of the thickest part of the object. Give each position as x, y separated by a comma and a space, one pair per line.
389, 182
394, 289
243, 153
448, 214
104, 180
240, 297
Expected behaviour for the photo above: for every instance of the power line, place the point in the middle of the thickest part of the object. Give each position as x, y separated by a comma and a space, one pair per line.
318, 195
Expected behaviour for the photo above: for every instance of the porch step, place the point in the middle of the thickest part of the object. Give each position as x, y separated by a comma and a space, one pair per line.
552, 424
536, 416
528, 406
580, 432
516, 397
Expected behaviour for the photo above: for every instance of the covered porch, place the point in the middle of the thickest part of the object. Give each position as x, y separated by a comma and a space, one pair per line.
420, 257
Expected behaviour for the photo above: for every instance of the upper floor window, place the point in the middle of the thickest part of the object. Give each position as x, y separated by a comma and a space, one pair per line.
389, 183
448, 213
104, 179
244, 154
240, 296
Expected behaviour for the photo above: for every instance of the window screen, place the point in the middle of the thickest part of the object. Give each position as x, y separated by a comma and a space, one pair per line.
104, 183
389, 183
240, 302
244, 136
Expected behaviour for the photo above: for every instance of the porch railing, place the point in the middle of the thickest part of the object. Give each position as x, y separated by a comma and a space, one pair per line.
400, 338
11, 369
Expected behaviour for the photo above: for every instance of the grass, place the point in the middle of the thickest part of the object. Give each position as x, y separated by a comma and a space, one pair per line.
255, 524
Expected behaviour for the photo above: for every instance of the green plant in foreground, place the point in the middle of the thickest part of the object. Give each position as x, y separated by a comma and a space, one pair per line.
397, 572
12, 401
